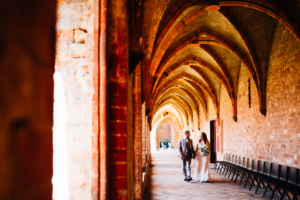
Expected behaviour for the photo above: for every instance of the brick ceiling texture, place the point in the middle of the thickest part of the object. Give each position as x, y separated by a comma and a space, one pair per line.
192, 51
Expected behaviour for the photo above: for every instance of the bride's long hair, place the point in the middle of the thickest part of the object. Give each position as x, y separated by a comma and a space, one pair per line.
204, 137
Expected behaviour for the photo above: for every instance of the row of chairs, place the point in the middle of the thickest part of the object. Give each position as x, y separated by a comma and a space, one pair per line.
264, 173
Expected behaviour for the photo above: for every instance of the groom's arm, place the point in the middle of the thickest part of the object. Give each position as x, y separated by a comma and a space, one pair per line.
180, 148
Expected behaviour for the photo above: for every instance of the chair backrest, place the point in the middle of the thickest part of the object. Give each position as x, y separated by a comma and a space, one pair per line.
292, 175
267, 169
283, 173
240, 161
260, 166
249, 164
254, 165
274, 170
244, 162
236, 161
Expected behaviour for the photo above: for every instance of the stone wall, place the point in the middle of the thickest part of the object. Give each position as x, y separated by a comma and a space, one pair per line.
276, 136
74, 62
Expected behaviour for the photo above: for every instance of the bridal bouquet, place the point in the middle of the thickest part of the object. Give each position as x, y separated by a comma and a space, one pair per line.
205, 150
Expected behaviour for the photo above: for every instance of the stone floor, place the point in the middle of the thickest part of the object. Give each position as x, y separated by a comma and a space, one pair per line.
166, 182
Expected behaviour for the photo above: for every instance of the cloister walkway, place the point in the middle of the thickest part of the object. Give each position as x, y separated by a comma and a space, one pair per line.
166, 182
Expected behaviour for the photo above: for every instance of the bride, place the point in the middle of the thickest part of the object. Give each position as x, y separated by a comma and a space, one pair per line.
202, 173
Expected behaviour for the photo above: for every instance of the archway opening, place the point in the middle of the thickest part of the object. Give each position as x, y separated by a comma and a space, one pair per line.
60, 155
166, 136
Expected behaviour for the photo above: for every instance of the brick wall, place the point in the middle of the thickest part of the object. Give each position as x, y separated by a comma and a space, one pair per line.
165, 133
211, 109
202, 118
276, 136
137, 135
144, 134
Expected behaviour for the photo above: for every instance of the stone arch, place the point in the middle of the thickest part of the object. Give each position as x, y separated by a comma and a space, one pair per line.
177, 130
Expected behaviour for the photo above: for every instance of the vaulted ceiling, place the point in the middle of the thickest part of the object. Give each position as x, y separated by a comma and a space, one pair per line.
194, 48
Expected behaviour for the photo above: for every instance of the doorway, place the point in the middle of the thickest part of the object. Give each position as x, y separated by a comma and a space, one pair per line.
213, 131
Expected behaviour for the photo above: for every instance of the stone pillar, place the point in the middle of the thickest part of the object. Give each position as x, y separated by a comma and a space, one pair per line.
26, 88
137, 135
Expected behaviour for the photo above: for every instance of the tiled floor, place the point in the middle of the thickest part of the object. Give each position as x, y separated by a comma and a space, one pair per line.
166, 182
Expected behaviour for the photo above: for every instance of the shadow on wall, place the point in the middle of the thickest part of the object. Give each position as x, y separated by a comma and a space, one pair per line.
60, 156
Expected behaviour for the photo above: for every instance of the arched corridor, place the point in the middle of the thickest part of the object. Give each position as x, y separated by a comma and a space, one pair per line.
93, 91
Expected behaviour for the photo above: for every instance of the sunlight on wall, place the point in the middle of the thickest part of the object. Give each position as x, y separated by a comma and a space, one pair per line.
60, 165
153, 138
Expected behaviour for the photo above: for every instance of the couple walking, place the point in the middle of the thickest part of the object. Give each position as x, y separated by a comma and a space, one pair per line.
187, 152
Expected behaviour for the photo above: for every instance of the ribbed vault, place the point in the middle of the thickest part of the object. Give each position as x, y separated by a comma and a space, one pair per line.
195, 52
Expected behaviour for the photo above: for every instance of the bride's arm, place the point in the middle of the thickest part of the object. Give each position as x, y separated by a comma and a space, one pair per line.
196, 150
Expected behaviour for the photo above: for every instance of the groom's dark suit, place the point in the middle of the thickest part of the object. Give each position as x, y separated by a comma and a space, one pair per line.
186, 149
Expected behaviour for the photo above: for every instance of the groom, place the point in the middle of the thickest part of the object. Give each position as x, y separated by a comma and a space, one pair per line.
186, 153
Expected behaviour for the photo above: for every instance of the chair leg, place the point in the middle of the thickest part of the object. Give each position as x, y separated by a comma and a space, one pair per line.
263, 185
266, 190
295, 197
252, 182
273, 192
218, 167
258, 185
232, 171
226, 171
242, 178
237, 175
233, 174
247, 181
282, 194
223, 167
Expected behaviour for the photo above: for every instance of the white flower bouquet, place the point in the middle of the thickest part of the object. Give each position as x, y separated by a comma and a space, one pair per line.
205, 150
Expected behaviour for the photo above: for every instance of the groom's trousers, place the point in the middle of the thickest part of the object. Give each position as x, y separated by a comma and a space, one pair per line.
186, 166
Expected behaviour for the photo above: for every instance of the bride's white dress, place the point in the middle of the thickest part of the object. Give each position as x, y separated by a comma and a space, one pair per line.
202, 168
